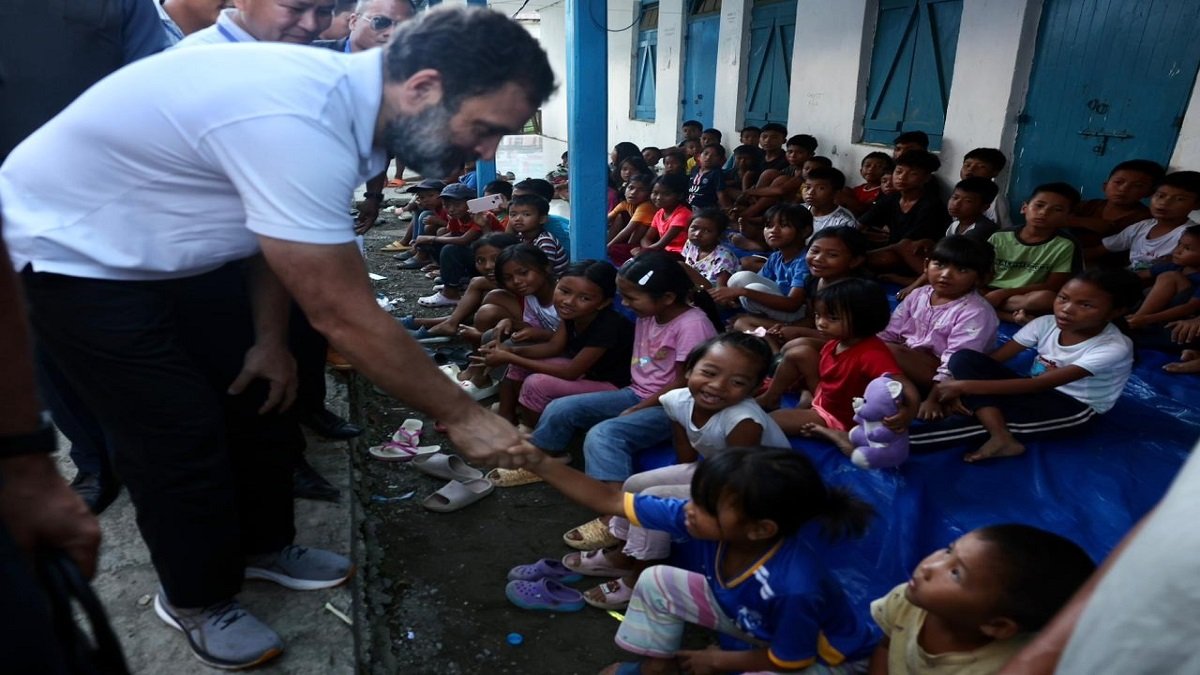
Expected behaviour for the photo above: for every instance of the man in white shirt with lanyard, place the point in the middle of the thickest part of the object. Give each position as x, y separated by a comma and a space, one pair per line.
195, 178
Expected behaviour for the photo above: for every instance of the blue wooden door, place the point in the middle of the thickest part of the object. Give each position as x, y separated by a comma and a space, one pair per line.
769, 63
1110, 82
700, 61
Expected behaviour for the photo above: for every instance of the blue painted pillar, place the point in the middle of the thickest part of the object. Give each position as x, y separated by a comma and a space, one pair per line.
587, 125
485, 171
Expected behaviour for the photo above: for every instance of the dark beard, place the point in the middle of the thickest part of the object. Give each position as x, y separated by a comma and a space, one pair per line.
420, 142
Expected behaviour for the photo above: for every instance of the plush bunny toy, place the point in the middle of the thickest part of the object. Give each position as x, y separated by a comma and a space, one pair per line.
875, 445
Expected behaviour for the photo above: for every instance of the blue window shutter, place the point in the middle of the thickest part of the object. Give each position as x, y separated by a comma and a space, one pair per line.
646, 65
912, 65
769, 62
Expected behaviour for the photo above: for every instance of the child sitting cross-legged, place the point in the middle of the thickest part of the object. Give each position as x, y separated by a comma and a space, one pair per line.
1177, 195
776, 295
588, 351
821, 188
1174, 295
1033, 262
760, 584
713, 412
630, 220
902, 220
1082, 364
850, 312
1128, 184
521, 308
527, 216
485, 251
709, 262
935, 321
970, 607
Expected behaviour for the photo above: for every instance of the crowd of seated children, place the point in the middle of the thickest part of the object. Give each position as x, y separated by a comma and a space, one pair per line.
699, 381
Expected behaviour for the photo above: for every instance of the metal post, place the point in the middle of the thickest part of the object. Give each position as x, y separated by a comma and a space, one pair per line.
587, 125
485, 171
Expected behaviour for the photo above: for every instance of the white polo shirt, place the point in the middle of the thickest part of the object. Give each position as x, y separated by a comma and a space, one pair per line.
221, 32
186, 156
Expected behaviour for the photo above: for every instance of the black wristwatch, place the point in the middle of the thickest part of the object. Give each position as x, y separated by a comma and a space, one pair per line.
377, 196
42, 441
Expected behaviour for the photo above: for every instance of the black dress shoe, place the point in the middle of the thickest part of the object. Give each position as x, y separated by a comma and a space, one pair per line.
329, 425
308, 484
97, 494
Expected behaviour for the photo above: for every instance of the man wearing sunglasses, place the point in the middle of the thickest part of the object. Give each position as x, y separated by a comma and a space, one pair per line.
371, 25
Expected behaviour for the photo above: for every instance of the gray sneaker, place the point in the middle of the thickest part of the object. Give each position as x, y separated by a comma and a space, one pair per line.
300, 568
222, 635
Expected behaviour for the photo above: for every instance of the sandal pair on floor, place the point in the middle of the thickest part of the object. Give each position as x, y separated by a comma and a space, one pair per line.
540, 586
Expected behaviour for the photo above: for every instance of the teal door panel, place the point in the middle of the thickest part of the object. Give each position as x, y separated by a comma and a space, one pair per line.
1111, 80
769, 62
700, 68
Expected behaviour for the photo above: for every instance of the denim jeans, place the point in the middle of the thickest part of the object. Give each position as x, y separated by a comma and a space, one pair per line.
611, 441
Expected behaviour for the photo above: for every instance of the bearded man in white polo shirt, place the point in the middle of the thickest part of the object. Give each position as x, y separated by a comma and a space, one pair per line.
127, 275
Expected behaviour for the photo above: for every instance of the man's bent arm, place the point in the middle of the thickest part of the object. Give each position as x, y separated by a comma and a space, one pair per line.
330, 284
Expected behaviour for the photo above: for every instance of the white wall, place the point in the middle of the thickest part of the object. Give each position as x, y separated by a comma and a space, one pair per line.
732, 47
622, 45
991, 72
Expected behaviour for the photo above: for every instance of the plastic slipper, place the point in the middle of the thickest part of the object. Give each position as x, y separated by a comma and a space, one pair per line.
545, 594
543, 569
446, 467
593, 534
429, 267
479, 393
422, 336
451, 370
592, 564
456, 495
400, 452
507, 478
409, 432
432, 275
436, 300
616, 595
409, 321
396, 246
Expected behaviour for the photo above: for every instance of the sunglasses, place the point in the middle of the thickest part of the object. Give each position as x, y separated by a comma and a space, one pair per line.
379, 23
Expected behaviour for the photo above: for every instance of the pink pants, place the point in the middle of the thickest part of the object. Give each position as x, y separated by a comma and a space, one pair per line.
673, 481
539, 389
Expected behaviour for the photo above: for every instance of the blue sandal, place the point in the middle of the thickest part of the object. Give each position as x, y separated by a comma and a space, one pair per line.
544, 594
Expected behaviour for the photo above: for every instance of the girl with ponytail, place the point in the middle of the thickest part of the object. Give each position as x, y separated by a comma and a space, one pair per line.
755, 579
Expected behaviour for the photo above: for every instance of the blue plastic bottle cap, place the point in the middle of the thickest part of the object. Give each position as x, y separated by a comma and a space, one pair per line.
515, 639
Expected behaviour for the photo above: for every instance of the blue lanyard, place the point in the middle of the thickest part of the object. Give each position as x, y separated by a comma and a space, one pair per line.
347, 48
228, 36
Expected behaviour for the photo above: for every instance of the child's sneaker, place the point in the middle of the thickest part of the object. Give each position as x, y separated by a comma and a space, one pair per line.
222, 635
301, 568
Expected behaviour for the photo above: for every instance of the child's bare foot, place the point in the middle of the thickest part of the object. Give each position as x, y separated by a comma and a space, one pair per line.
1189, 362
445, 328
996, 446
471, 335
840, 439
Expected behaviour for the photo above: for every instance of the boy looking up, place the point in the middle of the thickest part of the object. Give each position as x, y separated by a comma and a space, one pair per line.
909, 140
820, 197
905, 218
527, 219
968, 608
1128, 184
1156, 237
987, 163
708, 180
968, 203
1034, 262
770, 139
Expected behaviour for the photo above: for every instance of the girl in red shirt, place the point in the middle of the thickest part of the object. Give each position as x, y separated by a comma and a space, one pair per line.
850, 312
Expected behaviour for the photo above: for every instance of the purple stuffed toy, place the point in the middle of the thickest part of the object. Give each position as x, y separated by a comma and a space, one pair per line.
875, 445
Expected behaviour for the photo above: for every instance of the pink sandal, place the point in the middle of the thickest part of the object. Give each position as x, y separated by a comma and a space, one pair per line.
592, 564
616, 594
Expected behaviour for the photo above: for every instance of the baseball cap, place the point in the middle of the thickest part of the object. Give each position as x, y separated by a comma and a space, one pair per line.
458, 191
429, 184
